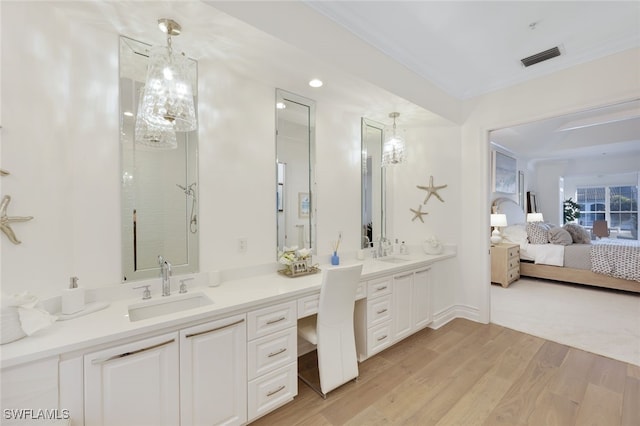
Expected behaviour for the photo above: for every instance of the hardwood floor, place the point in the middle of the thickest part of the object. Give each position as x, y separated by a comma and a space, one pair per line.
467, 373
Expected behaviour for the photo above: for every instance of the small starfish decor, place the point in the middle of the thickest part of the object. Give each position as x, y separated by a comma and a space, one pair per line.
418, 214
6, 221
431, 190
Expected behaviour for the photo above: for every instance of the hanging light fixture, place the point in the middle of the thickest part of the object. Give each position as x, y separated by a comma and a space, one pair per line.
167, 100
393, 149
151, 135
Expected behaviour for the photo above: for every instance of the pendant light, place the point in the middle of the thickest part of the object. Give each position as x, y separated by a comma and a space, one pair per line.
393, 150
167, 100
155, 137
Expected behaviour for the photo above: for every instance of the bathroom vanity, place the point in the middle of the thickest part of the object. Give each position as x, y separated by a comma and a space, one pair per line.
230, 361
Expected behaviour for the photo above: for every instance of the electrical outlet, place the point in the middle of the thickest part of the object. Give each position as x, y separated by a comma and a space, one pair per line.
242, 245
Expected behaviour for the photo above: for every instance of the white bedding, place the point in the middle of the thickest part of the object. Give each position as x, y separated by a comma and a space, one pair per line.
544, 254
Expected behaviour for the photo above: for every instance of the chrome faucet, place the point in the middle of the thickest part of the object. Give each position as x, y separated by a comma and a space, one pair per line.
165, 275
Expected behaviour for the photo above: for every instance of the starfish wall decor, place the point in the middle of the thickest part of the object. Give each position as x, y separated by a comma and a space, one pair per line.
6, 221
431, 190
417, 214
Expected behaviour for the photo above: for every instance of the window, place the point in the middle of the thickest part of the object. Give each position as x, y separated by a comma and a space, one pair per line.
618, 205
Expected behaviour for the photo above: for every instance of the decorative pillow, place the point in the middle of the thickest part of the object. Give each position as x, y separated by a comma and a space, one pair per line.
538, 233
516, 234
579, 235
560, 236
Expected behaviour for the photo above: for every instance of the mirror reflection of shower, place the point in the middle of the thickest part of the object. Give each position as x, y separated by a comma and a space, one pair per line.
191, 192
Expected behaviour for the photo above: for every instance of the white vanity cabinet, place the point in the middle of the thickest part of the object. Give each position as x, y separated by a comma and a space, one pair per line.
411, 302
272, 358
213, 375
373, 318
133, 384
30, 386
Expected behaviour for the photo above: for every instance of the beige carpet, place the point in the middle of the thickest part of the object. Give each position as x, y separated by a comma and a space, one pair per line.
601, 321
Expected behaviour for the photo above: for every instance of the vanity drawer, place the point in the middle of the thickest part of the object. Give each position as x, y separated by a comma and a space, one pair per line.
378, 310
271, 319
308, 305
271, 352
272, 390
379, 287
378, 338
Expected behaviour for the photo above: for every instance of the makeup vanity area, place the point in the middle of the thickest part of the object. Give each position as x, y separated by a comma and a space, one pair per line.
105, 368
223, 353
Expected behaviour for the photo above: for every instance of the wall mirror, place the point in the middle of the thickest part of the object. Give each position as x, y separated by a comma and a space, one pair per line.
373, 183
295, 150
159, 194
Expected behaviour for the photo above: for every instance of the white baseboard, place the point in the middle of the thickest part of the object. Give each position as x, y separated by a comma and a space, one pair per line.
456, 311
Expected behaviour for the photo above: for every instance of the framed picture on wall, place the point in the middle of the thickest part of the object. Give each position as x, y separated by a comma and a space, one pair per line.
303, 204
505, 173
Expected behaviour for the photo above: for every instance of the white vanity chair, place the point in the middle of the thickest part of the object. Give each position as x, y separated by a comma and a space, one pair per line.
332, 330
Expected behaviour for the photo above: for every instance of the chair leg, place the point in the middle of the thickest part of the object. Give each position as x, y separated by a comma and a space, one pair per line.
312, 386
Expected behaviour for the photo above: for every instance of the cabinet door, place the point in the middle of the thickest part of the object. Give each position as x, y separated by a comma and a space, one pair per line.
402, 306
133, 384
213, 373
421, 299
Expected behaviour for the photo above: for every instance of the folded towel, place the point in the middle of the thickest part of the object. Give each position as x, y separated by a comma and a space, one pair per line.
32, 316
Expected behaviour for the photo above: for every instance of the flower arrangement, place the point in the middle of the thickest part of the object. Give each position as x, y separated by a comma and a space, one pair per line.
296, 261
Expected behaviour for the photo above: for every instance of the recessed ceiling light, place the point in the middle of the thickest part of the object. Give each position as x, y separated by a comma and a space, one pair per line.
315, 83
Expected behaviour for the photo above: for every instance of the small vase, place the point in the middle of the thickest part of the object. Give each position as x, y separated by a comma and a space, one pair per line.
335, 259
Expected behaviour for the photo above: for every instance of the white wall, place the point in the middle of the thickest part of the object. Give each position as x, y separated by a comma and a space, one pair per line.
60, 142
609, 80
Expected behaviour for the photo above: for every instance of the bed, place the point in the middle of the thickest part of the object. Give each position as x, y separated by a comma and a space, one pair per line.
571, 263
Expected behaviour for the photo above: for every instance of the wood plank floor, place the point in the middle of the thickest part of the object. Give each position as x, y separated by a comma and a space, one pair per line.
467, 373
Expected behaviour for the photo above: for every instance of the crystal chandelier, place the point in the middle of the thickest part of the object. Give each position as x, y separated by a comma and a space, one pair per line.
153, 136
393, 149
167, 99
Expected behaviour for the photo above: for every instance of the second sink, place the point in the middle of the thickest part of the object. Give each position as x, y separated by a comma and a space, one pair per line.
167, 305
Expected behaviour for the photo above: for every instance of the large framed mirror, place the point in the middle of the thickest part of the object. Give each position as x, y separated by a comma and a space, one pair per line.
295, 159
159, 194
373, 183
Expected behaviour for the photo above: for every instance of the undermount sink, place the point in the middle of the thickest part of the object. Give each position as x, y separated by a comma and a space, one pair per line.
394, 259
167, 305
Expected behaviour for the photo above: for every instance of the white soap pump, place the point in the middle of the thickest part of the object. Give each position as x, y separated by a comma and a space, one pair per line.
72, 298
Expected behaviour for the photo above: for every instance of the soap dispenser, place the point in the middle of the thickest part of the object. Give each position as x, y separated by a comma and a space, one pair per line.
72, 298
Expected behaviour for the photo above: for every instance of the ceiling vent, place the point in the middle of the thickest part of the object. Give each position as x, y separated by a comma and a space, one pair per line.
541, 56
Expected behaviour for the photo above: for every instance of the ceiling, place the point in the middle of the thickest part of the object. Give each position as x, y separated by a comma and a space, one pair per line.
470, 48
464, 48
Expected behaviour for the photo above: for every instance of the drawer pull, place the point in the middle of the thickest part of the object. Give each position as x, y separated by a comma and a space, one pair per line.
111, 358
382, 338
399, 277
273, 392
381, 288
272, 354
273, 321
382, 311
188, 336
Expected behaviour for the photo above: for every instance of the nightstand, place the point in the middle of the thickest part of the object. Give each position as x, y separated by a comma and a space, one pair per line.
505, 263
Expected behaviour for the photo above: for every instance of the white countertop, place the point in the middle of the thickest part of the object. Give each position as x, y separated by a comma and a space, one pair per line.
231, 297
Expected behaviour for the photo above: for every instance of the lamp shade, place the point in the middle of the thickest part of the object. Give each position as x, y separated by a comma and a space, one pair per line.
498, 219
535, 217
